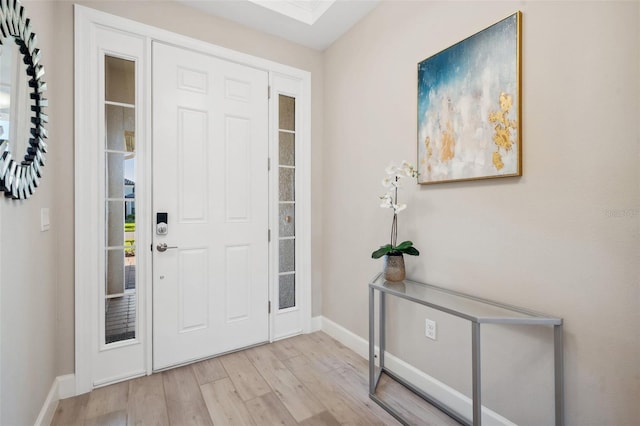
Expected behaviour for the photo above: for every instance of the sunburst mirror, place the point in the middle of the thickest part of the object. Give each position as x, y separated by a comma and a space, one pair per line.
22, 119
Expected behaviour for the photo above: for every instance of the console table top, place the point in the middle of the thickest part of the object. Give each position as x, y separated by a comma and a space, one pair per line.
462, 305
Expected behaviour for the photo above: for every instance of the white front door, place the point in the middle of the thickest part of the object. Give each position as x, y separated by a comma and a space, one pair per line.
210, 149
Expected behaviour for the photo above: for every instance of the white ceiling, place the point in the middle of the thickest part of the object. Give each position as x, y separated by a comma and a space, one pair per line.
312, 23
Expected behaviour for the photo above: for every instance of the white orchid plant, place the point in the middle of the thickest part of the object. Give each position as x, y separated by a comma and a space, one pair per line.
392, 182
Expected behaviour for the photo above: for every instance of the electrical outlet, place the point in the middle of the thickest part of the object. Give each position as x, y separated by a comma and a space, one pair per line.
430, 329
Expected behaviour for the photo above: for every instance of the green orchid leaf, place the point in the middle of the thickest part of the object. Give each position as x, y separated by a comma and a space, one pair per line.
381, 251
403, 245
411, 251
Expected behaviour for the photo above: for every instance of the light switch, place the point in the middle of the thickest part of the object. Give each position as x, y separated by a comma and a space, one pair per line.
44, 219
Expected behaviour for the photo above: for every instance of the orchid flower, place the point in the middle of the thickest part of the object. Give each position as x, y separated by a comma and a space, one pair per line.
392, 182
397, 208
391, 169
387, 201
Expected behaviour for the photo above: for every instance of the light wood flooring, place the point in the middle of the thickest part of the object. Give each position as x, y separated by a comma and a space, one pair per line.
305, 380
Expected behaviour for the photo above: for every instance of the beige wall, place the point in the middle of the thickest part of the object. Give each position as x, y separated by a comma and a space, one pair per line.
562, 239
28, 270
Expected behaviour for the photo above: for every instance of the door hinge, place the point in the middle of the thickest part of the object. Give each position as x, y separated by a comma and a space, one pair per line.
151, 247
269, 92
269, 164
269, 235
269, 306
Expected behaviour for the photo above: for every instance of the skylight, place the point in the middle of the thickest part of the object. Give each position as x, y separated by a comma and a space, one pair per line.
305, 11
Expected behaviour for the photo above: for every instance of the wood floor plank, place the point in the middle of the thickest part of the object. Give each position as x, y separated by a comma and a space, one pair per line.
341, 405
209, 370
285, 349
224, 403
327, 357
147, 404
300, 402
114, 418
184, 399
344, 355
358, 390
71, 411
323, 419
107, 399
307, 346
413, 408
244, 376
269, 410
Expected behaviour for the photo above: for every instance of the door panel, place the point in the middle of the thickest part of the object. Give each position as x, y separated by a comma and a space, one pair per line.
193, 302
192, 165
210, 147
238, 283
237, 176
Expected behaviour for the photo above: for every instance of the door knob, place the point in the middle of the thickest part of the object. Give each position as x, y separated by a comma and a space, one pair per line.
163, 247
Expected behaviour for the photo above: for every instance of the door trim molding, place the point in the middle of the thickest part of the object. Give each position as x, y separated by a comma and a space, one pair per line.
92, 43
86, 21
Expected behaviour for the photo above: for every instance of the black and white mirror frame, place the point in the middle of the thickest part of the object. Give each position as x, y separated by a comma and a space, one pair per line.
19, 177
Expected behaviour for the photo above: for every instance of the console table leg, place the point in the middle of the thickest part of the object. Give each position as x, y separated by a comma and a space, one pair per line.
372, 337
558, 373
475, 370
383, 334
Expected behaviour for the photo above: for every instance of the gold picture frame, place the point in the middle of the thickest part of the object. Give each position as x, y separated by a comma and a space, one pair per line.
470, 107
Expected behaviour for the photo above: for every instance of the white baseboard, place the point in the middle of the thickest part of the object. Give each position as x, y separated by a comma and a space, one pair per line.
66, 386
316, 324
49, 407
431, 386
61, 388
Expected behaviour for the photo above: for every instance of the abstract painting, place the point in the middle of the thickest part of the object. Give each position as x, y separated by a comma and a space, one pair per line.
469, 107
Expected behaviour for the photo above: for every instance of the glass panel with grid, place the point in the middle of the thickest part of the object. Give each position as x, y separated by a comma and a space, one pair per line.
287, 203
120, 200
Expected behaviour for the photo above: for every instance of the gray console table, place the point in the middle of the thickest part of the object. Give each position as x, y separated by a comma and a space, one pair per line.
477, 311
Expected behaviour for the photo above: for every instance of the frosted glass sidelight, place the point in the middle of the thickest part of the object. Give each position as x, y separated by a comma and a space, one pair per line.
287, 255
287, 149
287, 208
287, 291
287, 184
287, 113
287, 220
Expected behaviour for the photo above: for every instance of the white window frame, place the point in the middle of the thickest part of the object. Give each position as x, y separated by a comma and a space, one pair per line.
98, 364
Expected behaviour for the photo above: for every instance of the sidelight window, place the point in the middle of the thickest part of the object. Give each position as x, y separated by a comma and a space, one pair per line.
120, 200
287, 202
